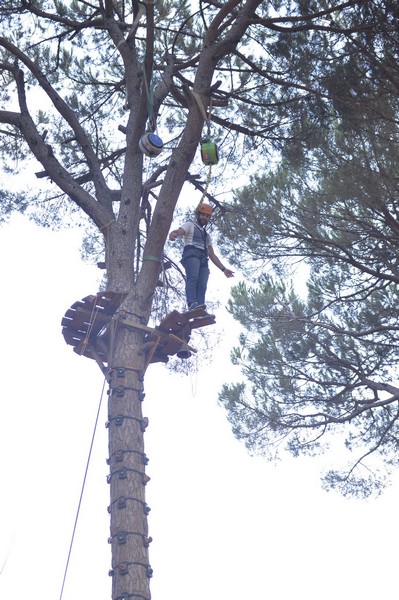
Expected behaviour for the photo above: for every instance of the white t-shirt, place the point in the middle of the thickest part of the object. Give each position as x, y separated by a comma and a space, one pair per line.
196, 236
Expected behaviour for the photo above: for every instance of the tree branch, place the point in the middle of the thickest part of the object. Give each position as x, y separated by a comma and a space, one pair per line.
61, 106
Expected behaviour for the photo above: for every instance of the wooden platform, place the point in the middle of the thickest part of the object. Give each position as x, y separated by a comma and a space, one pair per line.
89, 324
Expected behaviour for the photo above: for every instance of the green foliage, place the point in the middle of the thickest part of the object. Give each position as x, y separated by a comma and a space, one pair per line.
315, 365
320, 355
274, 69
12, 202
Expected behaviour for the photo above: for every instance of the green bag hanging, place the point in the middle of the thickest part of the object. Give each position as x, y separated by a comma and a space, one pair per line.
209, 152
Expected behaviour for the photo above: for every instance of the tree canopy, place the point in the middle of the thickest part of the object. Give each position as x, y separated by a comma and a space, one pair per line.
84, 81
320, 350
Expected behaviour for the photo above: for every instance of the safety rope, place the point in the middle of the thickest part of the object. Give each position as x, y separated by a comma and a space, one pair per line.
82, 490
207, 120
203, 111
207, 184
149, 89
6, 558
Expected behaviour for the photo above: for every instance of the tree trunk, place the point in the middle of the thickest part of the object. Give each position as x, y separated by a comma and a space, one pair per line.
127, 463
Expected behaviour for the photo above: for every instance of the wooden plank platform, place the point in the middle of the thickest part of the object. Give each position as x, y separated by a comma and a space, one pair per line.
86, 318
86, 326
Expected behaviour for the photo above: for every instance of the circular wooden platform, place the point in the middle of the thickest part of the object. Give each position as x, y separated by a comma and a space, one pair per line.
87, 327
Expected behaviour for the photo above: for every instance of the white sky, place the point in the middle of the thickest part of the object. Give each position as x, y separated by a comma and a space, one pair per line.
224, 524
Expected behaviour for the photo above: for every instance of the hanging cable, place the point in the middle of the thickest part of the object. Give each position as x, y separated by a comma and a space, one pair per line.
82, 490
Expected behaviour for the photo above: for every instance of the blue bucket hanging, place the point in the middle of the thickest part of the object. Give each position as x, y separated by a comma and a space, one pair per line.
150, 144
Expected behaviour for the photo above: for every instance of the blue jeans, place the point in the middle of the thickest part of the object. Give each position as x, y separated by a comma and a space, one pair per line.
195, 263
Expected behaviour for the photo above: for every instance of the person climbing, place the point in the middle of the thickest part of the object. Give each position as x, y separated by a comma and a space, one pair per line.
197, 249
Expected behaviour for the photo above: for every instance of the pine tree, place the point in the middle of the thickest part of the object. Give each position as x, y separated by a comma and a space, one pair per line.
320, 352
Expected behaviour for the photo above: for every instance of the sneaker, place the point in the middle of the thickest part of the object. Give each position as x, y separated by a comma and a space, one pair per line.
195, 305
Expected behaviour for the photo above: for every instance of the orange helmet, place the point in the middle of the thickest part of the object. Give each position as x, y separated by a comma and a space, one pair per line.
204, 208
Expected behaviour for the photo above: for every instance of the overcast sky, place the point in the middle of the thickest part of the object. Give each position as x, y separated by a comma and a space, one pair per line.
224, 524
